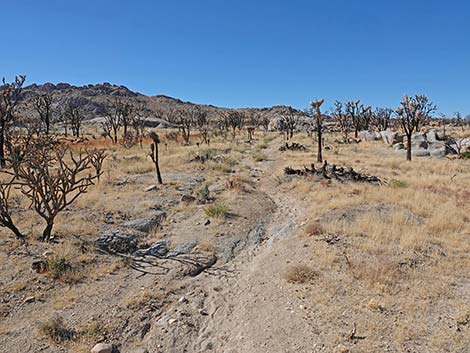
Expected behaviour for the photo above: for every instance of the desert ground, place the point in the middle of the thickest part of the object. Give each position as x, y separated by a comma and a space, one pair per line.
265, 262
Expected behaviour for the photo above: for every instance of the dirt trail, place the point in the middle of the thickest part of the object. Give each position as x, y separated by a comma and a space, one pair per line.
250, 312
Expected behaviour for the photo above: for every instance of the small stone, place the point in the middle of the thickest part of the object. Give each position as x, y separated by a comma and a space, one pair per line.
187, 198
171, 321
102, 348
183, 300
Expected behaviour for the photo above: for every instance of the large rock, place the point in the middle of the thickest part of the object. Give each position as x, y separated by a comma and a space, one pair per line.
116, 243
399, 146
146, 224
420, 153
419, 145
431, 136
391, 137
440, 150
418, 137
368, 135
102, 348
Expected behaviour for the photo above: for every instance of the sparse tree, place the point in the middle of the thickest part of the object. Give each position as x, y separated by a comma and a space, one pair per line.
74, 117
10, 95
413, 112
97, 157
202, 123
289, 121
43, 106
425, 107
343, 119
459, 120
382, 118
315, 105
264, 121
154, 154
53, 179
138, 124
118, 116
353, 109
184, 120
365, 117
234, 121
251, 122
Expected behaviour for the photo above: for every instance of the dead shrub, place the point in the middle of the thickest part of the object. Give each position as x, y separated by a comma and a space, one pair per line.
234, 183
55, 329
300, 274
313, 228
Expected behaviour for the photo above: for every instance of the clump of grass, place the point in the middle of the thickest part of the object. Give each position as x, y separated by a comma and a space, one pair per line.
55, 329
259, 157
300, 274
217, 210
261, 146
146, 297
398, 184
139, 169
58, 266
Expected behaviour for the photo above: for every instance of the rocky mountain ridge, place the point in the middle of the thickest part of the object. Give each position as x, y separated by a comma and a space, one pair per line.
95, 98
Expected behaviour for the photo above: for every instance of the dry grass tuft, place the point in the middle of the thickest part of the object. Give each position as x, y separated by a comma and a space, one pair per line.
300, 274
217, 210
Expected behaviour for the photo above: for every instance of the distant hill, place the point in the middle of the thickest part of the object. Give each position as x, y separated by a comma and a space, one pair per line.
94, 99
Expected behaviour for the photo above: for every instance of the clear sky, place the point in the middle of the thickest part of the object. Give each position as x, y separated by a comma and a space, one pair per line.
247, 53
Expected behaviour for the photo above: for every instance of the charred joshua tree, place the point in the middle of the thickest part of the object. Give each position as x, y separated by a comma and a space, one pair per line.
233, 120
154, 154
365, 117
10, 95
414, 111
319, 120
250, 130
264, 122
53, 179
117, 117
74, 117
184, 120
43, 106
381, 118
353, 110
5, 208
343, 119
138, 124
289, 121
97, 157
202, 124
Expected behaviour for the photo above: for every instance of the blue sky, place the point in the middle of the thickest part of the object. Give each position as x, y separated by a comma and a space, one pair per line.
247, 53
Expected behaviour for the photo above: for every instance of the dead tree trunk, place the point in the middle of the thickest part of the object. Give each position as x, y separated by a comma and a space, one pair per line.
316, 106
154, 154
